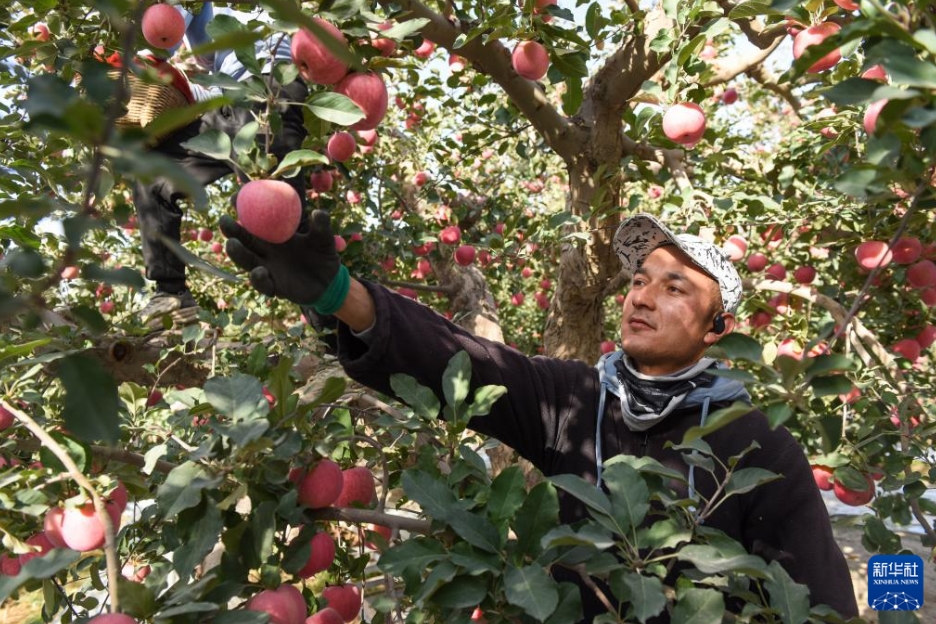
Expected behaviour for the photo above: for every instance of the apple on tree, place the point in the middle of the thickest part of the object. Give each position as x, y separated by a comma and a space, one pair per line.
325, 616
823, 477
346, 599
873, 254
815, 35
269, 209
6, 418
358, 488
369, 91
112, 618
465, 255
317, 64
163, 26
855, 498
284, 605
321, 486
341, 146
684, 123
321, 556
530, 60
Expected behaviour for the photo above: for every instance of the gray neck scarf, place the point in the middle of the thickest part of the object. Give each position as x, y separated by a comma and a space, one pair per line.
648, 399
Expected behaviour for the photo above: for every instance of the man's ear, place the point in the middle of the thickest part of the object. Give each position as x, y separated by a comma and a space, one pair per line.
730, 322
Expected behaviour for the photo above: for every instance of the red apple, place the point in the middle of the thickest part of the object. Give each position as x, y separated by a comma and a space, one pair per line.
848, 5
813, 36
52, 525
729, 96
315, 61
465, 255
608, 346
545, 284
804, 275
163, 26
871, 254
908, 348
384, 531
456, 63
756, 262
684, 123
368, 140
41, 542
384, 45
358, 488
927, 336
321, 485
341, 146
6, 418
9, 565
322, 180
530, 59
321, 556
345, 599
854, 497
269, 209
424, 249
823, 477
790, 348
408, 292
204, 234
425, 49
284, 605
450, 235
922, 274
325, 616
517, 299
369, 92
112, 618
776, 271
875, 72
106, 307
420, 178
69, 273
869, 121
40, 31
736, 247
340, 243
81, 528
907, 250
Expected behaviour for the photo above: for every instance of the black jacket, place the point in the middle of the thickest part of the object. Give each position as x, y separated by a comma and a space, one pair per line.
549, 416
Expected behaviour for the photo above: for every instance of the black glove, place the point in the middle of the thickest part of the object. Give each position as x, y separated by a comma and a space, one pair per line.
302, 269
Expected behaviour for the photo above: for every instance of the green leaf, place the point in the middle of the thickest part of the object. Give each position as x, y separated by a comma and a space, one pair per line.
630, 496
175, 118
296, 160
831, 385
401, 30
786, 596
421, 399
589, 535
91, 400
569, 608
476, 530
335, 108
77, 452
240, 397
244, 139
644, 593
332, 390
851, 91
826, 363
183, 488
737, 346
124, 276
26, 348
699, 606
136, 599
262, 529
749, 9
456, 379
908, 70
212, 143
438, 577
538, 515
461, 592
747, 479
584, 491
484, 399
508, 489
531, 589
719, 419
570, 64
711, 560
43, 567
435, 498
203, 526
414, 554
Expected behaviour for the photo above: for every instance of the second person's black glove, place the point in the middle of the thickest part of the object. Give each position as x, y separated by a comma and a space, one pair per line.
305, 269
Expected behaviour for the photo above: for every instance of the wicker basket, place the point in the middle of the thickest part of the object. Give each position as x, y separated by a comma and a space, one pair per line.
148, 100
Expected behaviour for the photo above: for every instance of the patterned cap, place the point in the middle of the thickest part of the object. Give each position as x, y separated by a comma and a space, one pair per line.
640, 234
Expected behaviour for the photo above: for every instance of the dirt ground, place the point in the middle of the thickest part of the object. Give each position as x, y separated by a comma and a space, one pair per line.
849, 539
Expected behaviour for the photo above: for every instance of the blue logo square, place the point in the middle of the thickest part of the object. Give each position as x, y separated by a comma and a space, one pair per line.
895, 582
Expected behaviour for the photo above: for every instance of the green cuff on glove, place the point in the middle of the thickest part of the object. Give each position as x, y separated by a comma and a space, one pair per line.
336, 293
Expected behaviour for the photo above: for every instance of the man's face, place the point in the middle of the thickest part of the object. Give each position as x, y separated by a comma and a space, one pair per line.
667, 316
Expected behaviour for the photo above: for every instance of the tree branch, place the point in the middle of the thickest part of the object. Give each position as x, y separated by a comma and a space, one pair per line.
766, 77
741, 64
755, 30
493, 59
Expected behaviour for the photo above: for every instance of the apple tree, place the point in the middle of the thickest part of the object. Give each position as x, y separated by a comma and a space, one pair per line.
796, 134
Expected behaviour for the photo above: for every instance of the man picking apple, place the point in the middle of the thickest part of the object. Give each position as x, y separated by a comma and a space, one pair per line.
157, 202
566, 416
